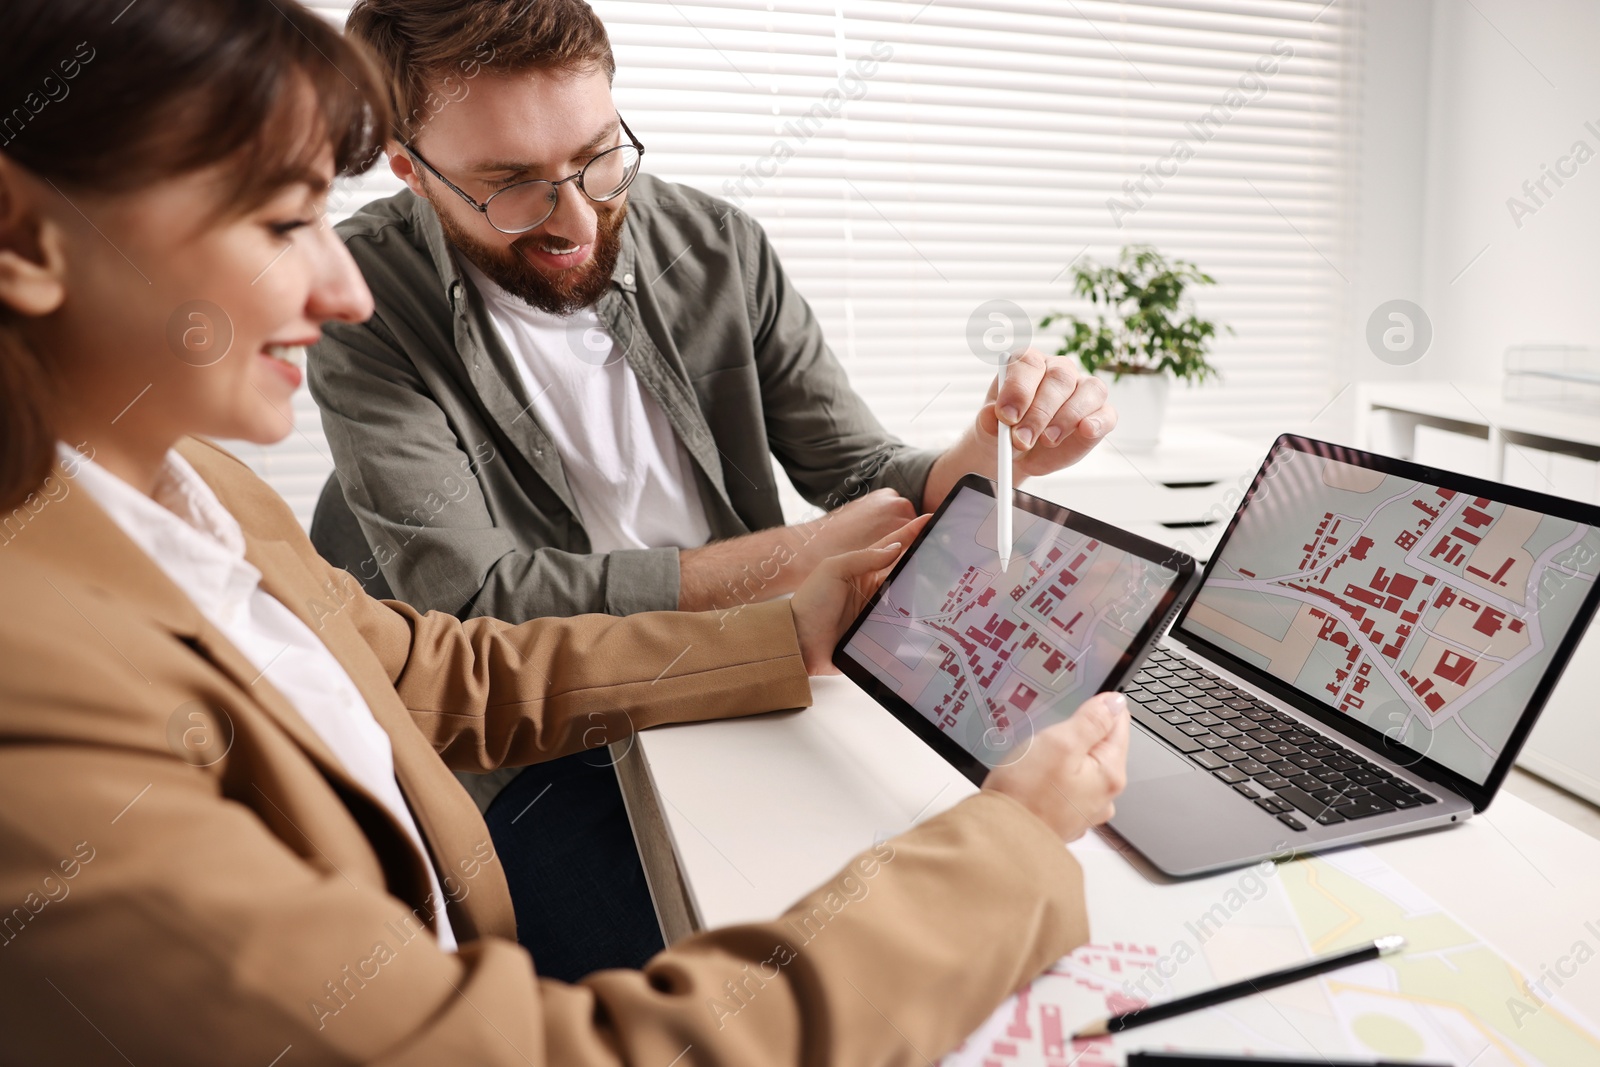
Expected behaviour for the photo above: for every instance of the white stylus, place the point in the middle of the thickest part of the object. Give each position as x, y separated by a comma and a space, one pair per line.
1002, 526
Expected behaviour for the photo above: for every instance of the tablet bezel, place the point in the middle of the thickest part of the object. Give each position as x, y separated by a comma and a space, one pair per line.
1183, 586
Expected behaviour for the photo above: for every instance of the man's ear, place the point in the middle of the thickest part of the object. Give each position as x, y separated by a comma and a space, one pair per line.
405, 168
33, 261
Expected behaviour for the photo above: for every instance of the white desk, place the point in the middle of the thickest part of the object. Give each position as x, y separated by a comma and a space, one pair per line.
737, 819
760, 810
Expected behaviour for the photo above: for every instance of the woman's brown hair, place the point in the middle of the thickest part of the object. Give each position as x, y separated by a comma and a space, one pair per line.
102, 96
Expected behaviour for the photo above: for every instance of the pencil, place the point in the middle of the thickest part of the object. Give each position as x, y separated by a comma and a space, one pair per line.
1383, 946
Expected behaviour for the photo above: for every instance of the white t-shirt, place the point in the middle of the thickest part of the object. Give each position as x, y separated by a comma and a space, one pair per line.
631, 477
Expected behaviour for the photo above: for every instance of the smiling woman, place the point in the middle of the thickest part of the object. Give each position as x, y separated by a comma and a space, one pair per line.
257, 755
139, 217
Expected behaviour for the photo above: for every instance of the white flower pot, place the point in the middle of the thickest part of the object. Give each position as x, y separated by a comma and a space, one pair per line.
1141, 403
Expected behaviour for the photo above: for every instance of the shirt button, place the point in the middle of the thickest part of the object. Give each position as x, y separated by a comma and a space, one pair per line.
627, 279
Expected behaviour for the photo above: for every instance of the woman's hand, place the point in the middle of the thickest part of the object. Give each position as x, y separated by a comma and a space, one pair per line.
1071, 771
830, 599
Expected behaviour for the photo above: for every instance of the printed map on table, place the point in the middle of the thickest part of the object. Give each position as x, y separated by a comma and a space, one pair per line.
992, 657
1449, 998
1428, 614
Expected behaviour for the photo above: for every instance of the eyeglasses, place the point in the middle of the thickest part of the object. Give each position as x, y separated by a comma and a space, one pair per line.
521, 207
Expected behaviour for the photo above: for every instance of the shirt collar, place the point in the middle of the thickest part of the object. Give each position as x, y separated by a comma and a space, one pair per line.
624, 276
182, 526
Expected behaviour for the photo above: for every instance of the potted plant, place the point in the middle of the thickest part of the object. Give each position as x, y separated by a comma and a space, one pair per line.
1151, 336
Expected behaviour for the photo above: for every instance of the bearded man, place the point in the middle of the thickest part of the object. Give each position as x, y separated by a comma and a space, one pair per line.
569, 398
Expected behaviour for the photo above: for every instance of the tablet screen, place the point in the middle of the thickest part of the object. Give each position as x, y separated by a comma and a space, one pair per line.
990, 658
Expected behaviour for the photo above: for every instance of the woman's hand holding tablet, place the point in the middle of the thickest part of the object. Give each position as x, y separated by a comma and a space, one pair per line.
1073, 770
831, 597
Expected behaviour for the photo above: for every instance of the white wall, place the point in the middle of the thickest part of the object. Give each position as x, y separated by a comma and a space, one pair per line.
1504, 87
1454, 113
1388, 117
1513, 84
1390, 170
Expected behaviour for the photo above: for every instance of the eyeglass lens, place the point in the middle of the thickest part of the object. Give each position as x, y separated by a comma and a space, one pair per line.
524, 206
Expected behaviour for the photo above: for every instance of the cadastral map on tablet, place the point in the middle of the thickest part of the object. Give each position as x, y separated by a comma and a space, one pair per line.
992, 657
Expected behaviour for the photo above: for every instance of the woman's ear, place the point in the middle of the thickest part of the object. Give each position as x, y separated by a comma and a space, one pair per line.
33, 261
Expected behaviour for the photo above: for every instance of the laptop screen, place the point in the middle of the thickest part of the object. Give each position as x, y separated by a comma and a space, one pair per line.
1426, 613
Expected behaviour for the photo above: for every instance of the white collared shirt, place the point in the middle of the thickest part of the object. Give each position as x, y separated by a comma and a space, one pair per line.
189, 534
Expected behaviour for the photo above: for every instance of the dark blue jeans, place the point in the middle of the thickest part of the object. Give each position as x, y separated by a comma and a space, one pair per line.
577, 884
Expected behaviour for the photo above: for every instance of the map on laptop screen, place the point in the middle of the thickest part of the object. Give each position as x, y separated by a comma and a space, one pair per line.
988, 657
1427, 614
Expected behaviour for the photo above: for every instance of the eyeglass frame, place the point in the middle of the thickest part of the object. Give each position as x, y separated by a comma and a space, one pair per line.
577, 176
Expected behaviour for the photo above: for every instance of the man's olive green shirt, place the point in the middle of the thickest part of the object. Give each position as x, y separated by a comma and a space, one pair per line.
460, 498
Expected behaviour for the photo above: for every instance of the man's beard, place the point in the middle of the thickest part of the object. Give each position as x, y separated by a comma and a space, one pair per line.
577, 287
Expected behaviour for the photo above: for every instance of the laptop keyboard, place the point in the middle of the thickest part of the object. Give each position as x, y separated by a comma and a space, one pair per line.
1271, 759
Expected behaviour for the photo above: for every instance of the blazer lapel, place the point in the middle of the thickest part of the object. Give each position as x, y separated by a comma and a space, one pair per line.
286, 579
79, 547
449, 820
74, 535
229, 659
71, 534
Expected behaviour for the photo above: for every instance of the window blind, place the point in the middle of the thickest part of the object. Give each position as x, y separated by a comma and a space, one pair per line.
913, 160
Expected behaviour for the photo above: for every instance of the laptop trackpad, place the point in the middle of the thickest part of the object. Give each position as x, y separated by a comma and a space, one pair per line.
1149, 759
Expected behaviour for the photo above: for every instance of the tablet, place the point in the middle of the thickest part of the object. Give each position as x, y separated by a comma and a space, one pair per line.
975, 661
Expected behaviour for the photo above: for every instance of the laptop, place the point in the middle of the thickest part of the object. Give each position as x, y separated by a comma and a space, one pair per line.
1369, 647
1364, 655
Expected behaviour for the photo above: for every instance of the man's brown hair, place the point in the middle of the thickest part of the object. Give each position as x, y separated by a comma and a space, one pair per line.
432, 49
